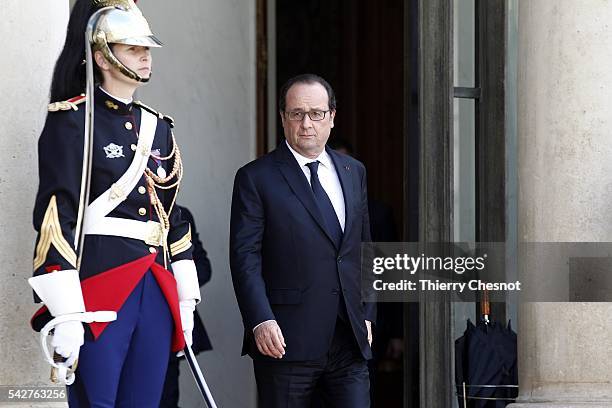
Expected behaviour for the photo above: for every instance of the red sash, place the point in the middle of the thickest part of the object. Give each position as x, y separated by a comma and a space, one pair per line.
108, 290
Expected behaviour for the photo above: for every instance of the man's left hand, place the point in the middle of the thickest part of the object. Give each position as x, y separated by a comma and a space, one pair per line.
369, 326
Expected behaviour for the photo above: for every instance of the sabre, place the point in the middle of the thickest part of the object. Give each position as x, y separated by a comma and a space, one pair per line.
199, 377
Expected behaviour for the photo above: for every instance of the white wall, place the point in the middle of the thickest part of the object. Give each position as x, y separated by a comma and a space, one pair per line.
205, 78
32, 35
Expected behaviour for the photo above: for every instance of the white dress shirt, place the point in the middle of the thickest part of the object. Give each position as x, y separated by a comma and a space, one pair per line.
328, 178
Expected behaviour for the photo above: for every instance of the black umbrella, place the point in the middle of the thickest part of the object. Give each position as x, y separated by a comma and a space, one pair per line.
485, 365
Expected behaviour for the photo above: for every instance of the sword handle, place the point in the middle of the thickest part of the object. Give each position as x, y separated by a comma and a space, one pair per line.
58, 359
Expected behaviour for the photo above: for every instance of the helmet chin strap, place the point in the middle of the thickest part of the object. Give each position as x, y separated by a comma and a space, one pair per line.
102, 45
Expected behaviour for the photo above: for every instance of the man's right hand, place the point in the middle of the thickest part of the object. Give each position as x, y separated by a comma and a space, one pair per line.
269, 339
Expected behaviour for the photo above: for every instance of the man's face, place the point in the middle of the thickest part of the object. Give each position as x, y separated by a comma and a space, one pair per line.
307, 137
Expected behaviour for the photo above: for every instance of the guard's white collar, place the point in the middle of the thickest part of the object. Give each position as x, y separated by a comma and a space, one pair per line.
123, 100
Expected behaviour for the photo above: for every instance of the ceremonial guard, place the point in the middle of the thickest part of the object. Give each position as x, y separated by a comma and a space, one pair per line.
113, 257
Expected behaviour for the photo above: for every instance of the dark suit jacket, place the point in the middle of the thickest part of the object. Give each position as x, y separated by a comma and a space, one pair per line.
284, 264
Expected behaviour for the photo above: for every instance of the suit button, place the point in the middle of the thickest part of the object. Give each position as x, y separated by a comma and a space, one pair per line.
142, 189
339, 259
133, 147
142, 211
128, 125
152, 250
335, 291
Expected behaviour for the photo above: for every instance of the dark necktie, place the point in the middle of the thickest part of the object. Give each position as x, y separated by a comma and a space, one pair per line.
324, 203
331, 222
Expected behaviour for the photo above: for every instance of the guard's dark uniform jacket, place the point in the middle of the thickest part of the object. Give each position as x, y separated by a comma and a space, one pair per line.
107, 259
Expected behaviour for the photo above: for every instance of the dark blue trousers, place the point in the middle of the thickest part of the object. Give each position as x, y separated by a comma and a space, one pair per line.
341, 377
126, 365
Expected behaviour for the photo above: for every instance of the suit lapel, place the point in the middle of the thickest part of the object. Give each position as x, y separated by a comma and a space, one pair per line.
344, 171
298, 183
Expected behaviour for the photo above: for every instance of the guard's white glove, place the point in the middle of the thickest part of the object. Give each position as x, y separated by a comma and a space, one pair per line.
188, 290
68, 337
61, 293
187, 307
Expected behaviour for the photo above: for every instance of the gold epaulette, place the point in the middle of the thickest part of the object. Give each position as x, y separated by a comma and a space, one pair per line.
67, 104
160, 115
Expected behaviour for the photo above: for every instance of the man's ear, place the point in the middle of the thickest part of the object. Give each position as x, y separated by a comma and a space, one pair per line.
332, 116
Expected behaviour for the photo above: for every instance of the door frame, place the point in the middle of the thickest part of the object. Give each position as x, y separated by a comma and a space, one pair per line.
435, 120
435, 95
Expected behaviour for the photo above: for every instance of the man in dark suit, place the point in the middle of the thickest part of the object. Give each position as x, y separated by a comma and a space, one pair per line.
299, 215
